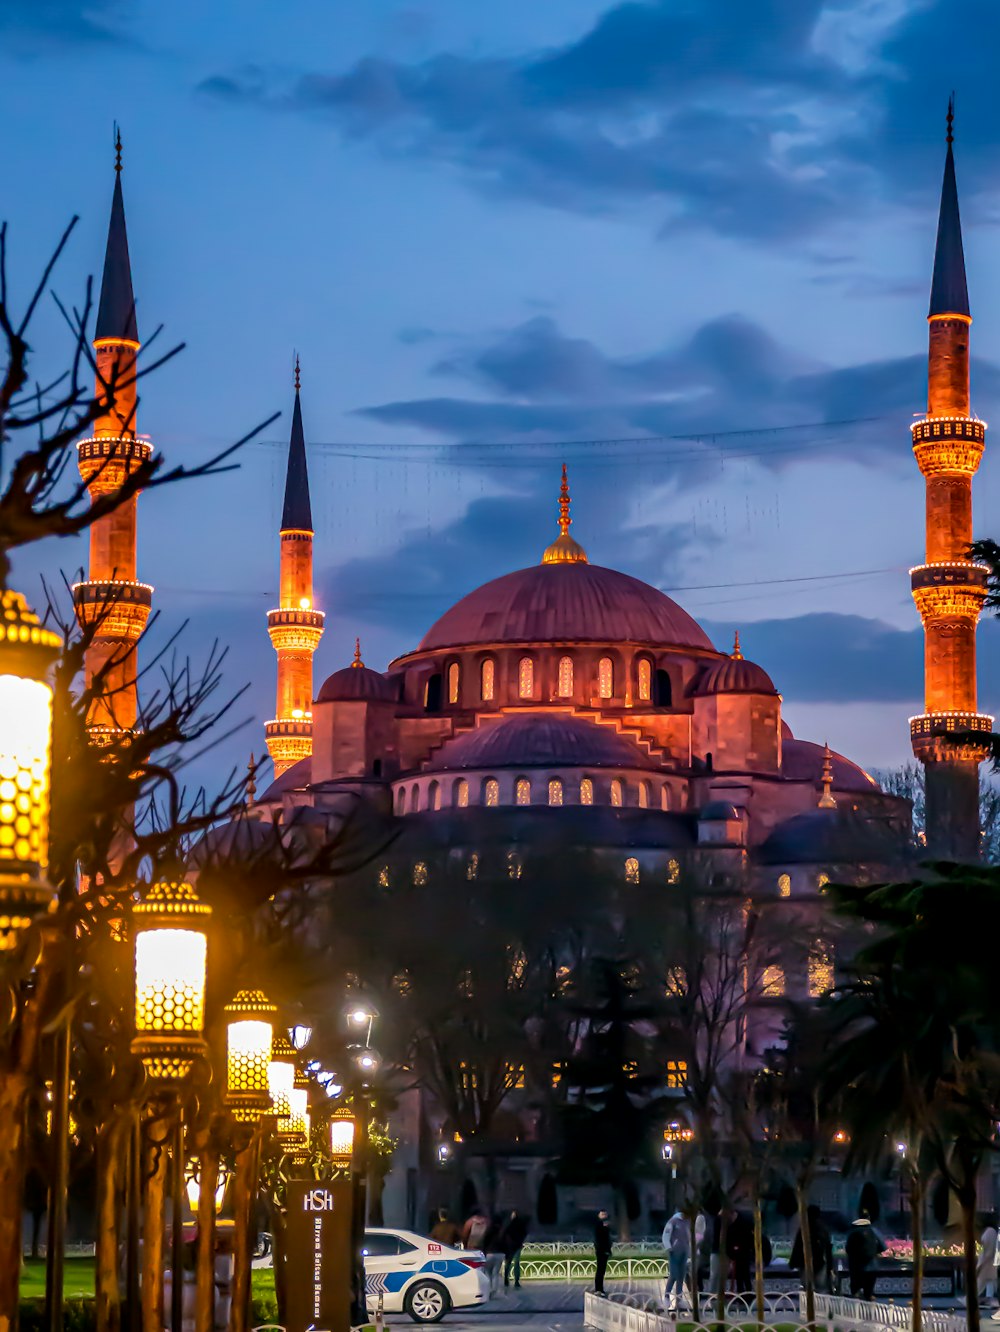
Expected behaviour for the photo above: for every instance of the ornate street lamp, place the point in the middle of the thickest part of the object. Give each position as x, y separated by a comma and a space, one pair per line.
281, 1078
27, 651
250, 1016
171, 950
296, 1134
342, 1127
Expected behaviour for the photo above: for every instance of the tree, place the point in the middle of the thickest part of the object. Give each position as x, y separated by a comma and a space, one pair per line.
908, 781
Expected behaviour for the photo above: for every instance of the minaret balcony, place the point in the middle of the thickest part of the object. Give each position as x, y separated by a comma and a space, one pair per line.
949, 590
295, 630
948, 445
288, 740
950, 736
106, 463
117, 608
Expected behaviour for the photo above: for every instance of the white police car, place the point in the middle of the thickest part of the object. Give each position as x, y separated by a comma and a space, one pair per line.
421, 1277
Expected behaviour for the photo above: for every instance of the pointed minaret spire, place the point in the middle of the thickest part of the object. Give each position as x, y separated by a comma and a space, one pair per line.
949, 290
827, 799
116, 308
296, 627
564, 550
251, 781
357, 654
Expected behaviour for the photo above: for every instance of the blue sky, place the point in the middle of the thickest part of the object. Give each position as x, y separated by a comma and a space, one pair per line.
498, 234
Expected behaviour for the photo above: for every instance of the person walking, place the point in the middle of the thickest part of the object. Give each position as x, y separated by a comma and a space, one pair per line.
602, 1249
493, 1247
512, 1236
822, 1250
676, 1240
986, 1265
739, 1250
445, 1231
863, 1246
474, 1230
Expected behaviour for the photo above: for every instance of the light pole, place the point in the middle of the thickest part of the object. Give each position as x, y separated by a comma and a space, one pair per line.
365, 1064
171, 954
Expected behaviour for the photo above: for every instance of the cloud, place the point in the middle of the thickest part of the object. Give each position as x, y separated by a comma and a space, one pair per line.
62, 22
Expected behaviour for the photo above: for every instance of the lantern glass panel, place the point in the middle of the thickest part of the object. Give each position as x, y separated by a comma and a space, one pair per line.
342, 1138
170, 980
280, 1084
249, 1054
25, 744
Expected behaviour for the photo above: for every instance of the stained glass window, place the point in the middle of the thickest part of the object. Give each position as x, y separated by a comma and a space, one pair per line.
644, 795
820, 969
773, 982
586, 792
383, 877
822, 882
617, 792
665, 797
631, 870
677, 983
522, 791
513, 865
491, 792
434, 796
526, 678
419, 874
673, 871
645, 680
453, 676
565, 682
487, 679
784, 885
462, 793
555, 791
472, 867
605, 678
677, 1074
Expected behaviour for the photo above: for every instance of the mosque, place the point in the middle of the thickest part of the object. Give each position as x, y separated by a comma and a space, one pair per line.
572, 702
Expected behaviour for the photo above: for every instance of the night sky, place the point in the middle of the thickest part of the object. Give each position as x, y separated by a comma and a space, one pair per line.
684, 247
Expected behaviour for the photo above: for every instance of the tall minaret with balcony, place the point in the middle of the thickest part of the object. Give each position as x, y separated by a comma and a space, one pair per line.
295, 627
949, 590
111, 598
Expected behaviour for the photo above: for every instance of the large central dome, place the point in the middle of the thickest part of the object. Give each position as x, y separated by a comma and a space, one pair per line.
565, 602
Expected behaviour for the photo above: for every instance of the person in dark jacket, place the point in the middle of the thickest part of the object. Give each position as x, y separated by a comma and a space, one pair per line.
602, 1249
513, 1233
445, 1231
739, 1250
863, 1246
822, 1250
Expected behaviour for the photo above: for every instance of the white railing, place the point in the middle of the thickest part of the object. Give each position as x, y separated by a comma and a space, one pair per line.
633, 1313
842, 1311
547, 1248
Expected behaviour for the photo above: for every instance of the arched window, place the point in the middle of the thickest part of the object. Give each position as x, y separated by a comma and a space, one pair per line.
491, 792
822, 881
472, 867
586, 791
644, 680
453, 678
784, 885
773, 983
605, 678
665, 797
525, 678
673, 871
383, 877
513, 865
461, 795
555, 791
820, 969
419, 874
522, 791
564, 685
631, 870
644, 795
414, 799
617, 792
662, 692
432, 693
400, 799
487, 680
434, 796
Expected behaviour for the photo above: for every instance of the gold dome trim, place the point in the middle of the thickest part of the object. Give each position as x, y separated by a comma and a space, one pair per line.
564, 550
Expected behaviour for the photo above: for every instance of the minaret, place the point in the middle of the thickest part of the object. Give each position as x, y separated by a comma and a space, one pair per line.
111, 597
949, 590
295, 627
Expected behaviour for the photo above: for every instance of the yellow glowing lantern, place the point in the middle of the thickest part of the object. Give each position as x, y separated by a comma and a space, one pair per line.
26, 653
192, 1187
249, 1033
281, 1079
171, 947
293, 1131
342, 1126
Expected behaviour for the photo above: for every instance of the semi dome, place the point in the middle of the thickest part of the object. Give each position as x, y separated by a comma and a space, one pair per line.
356, 682
831, 837
734, 675
540, 739
566, 601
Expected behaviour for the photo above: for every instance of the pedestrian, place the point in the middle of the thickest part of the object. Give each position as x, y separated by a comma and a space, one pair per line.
739, 1250
602, 1249
474, 1230
512, 1236
821, 1246
676, 1240
863, 1246
493, 1248
445, 1231
986, 1266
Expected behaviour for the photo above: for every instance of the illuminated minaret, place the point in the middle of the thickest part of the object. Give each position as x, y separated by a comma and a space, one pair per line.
295, 627
112, 597
949, 590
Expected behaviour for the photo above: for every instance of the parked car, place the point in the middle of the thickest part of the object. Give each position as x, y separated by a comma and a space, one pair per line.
421, 1277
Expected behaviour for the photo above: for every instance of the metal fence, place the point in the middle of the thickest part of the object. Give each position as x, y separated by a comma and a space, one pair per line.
636, 1313
841, 1311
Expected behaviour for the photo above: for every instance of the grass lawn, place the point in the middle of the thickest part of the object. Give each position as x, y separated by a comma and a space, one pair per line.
78, 1279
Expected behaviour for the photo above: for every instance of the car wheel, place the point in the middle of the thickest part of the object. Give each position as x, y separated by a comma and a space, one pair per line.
427, 1302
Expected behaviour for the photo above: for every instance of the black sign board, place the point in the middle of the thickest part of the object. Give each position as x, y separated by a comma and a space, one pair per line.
318, 1265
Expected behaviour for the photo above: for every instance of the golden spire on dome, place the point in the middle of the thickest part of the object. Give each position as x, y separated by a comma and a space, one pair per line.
827, 799
251, 782
564, 550
357, 662
737, 652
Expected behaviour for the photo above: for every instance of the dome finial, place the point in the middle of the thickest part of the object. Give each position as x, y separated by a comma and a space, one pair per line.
564, 550
949, 137
298, 377
357, 654
251, 781
737, 652
827, 799
118, 149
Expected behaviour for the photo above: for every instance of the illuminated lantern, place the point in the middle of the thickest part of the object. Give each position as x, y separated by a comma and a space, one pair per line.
294, 1130
171, 948
281, 1080
26, 653
192, 1187
250, 1018
342, 1137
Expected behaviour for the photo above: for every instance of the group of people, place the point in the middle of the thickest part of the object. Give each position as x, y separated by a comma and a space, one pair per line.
501, 1238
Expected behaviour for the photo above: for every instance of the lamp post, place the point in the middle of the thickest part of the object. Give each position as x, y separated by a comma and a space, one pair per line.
171, 954
342, 1131
365, 1063
249, 1060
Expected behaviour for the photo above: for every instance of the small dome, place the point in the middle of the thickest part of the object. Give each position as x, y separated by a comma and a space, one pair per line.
734, 675
540, 739
719, 811
802, 761
355, 683
832, 837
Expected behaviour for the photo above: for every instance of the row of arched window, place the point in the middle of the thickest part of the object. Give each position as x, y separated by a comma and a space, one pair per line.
556, 791
419, 871
650, 686
820, 974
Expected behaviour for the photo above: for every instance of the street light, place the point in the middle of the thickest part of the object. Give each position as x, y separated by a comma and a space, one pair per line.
26, 653
361, 1015
342, 1127
296, 1132
366, 1060
248, 1055
281, 1077
171, 949
300, 1035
